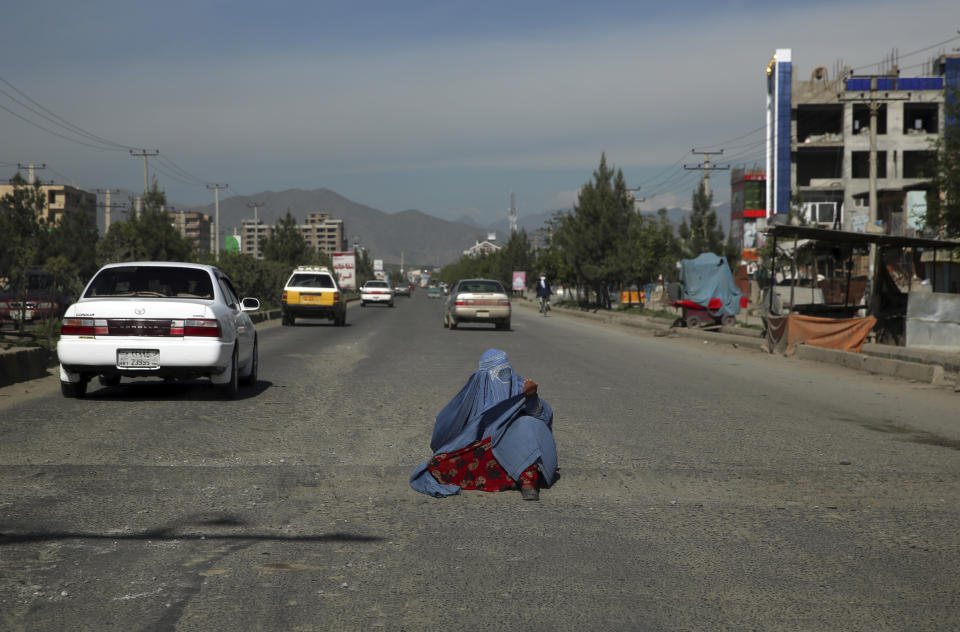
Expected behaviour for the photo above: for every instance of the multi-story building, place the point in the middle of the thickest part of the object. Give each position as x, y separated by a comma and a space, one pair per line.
821, 133
252, 233
61, 199
321, 232
324, 233
195, 226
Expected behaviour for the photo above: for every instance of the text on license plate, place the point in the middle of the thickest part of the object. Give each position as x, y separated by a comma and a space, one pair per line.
138, 358
309, 298
483, 314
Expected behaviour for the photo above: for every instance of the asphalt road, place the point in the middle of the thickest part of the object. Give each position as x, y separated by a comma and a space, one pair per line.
703, 488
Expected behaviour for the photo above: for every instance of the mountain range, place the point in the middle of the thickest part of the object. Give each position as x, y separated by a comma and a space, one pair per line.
420, 239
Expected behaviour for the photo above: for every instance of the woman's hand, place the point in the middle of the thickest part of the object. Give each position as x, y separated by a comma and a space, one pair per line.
529, 388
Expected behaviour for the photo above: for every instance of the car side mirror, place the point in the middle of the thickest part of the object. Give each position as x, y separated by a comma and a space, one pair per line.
249, 304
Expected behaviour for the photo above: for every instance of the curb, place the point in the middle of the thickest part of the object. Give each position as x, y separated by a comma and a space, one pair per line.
24, 363
927, 373
918, 365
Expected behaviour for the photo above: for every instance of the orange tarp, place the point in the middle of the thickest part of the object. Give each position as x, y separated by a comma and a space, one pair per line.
784, 333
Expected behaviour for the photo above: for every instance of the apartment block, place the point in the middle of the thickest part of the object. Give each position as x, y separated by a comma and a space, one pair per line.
321, 232
252, 233
324, 233
195, 226
61, 199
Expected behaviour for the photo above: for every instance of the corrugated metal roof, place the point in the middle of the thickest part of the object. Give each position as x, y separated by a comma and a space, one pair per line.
857, 239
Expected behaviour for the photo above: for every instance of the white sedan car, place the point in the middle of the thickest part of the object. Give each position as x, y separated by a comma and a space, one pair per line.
376, 292
162, 319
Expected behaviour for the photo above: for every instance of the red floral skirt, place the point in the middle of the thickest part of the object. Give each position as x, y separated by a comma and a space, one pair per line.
475, 467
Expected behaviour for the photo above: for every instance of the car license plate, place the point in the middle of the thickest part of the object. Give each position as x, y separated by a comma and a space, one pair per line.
138, 358
309, 298
483, 314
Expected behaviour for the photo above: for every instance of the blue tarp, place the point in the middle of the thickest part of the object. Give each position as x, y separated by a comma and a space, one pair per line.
706, 277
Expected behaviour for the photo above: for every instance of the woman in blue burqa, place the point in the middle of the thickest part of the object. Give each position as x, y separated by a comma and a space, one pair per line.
495, 435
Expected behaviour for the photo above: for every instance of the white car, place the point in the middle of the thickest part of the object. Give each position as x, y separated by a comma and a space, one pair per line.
162, 319
376, 292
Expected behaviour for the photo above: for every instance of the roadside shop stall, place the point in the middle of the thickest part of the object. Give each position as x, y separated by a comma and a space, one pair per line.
852, 300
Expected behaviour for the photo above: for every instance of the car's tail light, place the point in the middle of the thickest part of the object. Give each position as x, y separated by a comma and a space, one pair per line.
83, 327
206, 327
283, 297
504, 302
464, 301
336, 297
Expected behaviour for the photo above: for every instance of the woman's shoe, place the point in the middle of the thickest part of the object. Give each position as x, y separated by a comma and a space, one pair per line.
530, 493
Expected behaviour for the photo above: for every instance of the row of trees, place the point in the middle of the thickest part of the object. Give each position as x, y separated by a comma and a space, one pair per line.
603, 243
72, 250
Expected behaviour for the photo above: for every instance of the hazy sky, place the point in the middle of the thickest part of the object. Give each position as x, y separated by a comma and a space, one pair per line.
444, 106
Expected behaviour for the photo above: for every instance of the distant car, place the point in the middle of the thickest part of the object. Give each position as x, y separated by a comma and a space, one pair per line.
402, 290
376, 292
163, 319
435, 291
312, 292
477, 301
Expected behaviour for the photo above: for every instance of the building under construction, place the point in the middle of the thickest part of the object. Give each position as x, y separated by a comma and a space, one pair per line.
835, 142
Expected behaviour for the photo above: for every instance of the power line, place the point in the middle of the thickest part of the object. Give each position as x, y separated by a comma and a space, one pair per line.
750, 133
49, 131
910, 54
183, 172
56, 119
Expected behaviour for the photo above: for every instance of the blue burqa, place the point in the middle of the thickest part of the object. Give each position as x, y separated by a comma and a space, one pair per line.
492, 404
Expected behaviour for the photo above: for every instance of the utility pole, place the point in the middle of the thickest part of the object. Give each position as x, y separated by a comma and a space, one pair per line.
636, 200
874, 100
107, 206
144, 154
216, 218
256, 227
705, 167
31, 168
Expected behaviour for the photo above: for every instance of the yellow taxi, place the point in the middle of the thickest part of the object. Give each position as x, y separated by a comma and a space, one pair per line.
312, 292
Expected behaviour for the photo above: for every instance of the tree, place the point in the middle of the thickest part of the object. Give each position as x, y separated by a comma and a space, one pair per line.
654, 249
703, 233
594, 235
251, 277
364, 265
74, 238
943, 200
287, 244
147, 237
20, 225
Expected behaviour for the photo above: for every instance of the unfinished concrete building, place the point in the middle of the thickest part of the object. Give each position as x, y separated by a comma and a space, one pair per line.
830, 142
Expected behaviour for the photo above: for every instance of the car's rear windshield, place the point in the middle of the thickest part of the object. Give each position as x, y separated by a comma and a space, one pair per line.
377, 284
311, 280
151, 281
481, 287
